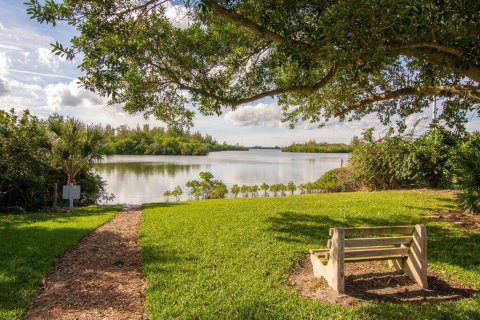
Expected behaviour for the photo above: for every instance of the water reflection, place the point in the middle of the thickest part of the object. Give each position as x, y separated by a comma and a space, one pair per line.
141, 179
120, 169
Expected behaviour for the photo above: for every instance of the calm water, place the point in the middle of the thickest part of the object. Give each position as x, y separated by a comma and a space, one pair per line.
142, 179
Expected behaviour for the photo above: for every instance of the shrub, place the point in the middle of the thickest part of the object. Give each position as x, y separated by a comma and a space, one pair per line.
401, 161
467, 175
336, 180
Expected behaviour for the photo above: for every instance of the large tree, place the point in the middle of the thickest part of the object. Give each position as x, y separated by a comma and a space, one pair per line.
321, 59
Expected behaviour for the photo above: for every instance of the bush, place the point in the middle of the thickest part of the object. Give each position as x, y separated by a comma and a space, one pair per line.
398, 161
27, 173
467, 174
337, 180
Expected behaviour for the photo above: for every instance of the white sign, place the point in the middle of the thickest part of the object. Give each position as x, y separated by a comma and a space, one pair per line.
74, 190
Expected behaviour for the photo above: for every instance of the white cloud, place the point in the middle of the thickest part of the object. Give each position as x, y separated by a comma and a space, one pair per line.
4, 87
47, 58
8, 47
4, 64
70, 94
261, 114
177, 14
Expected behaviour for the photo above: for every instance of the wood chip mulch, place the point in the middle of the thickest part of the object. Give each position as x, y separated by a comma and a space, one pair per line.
101, 278
367, 282
466, 220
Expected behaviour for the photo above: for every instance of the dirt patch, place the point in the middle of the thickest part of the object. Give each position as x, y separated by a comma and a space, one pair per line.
466, 220
373, 282
101, 278
444, 192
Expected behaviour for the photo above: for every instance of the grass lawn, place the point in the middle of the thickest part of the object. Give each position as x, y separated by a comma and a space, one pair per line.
29, 245
230, 259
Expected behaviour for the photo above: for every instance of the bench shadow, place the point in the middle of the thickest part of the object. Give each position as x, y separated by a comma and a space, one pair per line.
392, 286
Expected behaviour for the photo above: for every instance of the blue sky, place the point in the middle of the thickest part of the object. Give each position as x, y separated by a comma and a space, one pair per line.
31, 77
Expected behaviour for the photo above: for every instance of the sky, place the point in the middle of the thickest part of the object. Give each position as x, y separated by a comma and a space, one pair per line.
31, 77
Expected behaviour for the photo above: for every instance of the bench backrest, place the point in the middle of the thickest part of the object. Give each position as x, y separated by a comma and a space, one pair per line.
376, 246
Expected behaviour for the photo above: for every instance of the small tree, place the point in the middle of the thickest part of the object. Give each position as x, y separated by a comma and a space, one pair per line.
177, 192
245, 189
282, 188
235, 190
265, 188
274, 189
301, 187
291, 187
206, 184
167, 195
254, 190
219, 191
194, 188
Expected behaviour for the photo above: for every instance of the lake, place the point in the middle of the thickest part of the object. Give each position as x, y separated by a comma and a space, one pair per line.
142, 179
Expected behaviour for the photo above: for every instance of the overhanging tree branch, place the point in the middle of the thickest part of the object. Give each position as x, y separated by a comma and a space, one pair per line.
234, 102
232, 16
470, 91
445, 59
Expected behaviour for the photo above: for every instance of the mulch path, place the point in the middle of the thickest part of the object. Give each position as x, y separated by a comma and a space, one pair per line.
101, 278
367, 282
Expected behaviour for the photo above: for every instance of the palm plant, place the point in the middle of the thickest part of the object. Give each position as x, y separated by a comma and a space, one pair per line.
76, 146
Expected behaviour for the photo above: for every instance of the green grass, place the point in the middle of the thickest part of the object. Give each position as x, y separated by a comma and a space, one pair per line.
230, 259
29, 245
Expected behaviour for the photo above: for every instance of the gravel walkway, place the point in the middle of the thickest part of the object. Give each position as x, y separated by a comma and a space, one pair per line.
101, 278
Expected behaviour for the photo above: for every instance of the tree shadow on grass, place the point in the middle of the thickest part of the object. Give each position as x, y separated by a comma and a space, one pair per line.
293, 226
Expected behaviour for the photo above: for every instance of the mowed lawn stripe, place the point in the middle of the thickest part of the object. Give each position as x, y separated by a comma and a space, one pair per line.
230, 259
30, 244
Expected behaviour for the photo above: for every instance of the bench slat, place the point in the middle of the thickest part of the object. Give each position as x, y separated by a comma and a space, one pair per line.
378, 230
362, 259
376, 252
366, 242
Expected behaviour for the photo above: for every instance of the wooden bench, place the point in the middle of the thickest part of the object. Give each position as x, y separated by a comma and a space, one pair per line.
406, 251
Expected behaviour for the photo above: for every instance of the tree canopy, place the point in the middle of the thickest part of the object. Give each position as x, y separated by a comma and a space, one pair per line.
321, 59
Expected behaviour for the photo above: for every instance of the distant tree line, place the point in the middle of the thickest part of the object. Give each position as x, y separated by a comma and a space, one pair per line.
318, 147
160, 141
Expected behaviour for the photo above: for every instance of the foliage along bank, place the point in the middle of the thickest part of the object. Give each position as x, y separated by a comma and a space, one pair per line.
36, 154
318, 147
160, 141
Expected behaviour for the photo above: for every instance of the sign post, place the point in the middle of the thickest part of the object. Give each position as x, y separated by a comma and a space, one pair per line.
71, 192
